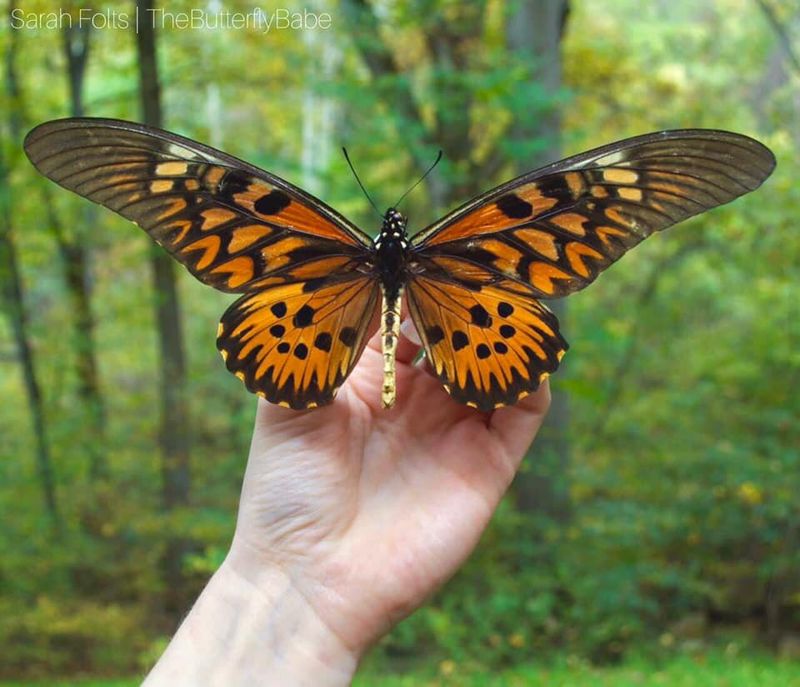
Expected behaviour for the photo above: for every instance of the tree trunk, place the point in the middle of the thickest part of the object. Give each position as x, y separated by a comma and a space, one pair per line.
534, 30
14, 301
174, 435
76, 258
14, 306
319, 110
380, 61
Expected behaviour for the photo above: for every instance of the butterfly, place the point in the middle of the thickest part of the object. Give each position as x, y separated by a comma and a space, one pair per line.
311, 281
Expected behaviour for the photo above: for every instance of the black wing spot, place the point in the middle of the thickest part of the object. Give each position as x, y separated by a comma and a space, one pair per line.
480, 316
513, 206
323, 341
434, 334
459, 340
272, 203
279, 309
301, 351
283, 347
500, 347
507, 331
347, 336
505, 309
277, 330
303, 317
483, 351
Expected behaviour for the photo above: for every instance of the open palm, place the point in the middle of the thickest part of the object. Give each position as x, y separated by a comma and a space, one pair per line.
368, 510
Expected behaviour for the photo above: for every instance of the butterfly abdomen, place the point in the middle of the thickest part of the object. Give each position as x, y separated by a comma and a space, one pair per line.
391, 252
390, 333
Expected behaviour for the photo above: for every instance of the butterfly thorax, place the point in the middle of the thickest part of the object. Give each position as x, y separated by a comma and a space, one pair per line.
391, 250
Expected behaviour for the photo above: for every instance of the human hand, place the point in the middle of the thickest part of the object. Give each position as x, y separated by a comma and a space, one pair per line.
351, 515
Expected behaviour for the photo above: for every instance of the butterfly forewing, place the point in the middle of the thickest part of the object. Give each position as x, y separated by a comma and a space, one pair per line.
232, 225
557, 228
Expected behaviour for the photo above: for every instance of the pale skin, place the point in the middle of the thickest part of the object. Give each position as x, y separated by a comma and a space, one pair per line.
350, 517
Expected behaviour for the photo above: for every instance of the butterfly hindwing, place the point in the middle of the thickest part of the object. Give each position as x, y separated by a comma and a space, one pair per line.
490, 345
557, 228
295, 345
232, 225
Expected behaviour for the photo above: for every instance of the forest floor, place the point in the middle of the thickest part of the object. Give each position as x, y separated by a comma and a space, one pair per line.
707, 670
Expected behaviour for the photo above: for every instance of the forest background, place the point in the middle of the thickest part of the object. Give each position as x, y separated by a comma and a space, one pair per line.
658, 513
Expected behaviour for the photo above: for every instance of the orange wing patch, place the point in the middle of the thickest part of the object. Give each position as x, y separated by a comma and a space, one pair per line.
294, 344
489, 216
277, 207
489, 347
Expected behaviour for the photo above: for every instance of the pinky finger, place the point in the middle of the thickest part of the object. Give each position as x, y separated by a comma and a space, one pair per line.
516, 426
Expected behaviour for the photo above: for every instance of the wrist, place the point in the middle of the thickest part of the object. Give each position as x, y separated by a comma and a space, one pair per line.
254, 628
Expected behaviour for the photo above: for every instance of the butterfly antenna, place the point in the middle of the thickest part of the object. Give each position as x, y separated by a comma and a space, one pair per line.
421, 179
355, 174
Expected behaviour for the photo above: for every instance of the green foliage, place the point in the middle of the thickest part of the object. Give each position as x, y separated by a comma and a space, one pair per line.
718, 668
721, 667
53, 636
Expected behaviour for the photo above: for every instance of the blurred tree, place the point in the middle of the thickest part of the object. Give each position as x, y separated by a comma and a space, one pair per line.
534, 30
75, 248
174, 435
438, 114
13, 290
